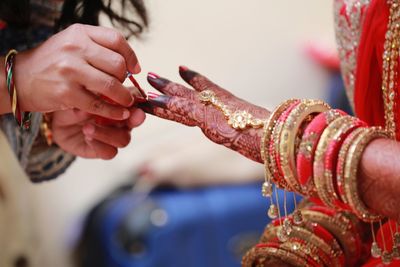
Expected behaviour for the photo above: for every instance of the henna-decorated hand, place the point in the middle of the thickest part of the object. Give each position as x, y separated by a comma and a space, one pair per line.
181, 104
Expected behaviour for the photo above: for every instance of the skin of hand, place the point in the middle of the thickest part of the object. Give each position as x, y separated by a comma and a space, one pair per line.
379, 171
72, 68
78, 133
379, 176
181, 104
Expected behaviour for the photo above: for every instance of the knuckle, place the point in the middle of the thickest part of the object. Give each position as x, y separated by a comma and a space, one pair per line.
69, 45
119, 65
117, 38
65, 67
119, 62
96, 105
109, 84
76, 28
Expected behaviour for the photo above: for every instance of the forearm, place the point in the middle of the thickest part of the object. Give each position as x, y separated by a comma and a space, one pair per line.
5, 106
379, 177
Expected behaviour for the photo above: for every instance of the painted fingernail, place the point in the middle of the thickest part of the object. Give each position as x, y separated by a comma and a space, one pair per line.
160, 101
139, 100
186, 73
152, 95
88, 129
153, 75
183, 68
157, 81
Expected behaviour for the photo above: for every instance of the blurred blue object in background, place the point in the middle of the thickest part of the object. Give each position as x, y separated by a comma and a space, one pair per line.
210, 227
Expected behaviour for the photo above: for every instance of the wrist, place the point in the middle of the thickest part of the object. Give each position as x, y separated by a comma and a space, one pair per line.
22, 81
5, 105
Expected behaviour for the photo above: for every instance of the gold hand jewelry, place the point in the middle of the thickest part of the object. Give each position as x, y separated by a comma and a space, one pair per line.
238, 120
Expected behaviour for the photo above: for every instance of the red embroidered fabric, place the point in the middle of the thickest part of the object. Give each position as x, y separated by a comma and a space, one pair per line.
368, 100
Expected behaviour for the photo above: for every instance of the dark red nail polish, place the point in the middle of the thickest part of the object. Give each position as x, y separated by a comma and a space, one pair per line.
152, 95
183, 68
156, 81
187, 74
153, 75
139, 100
159, 100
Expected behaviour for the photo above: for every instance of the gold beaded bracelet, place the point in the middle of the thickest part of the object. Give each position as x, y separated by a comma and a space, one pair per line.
238, 120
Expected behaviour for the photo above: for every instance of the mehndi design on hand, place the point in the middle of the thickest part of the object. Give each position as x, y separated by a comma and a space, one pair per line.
181, 104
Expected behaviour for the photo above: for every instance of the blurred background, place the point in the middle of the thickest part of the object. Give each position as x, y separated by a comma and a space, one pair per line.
255, 49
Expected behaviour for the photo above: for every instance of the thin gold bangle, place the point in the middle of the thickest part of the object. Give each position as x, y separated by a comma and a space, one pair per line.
353, 158
269, 126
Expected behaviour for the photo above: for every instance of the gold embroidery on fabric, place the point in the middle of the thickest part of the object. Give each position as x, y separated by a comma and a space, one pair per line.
349, 17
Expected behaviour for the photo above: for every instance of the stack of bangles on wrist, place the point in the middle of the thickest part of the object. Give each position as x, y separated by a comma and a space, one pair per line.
315, 151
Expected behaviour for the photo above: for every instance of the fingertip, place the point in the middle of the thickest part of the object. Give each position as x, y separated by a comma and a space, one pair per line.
137, 118
118, 113
112, 153
183, 68
137, 68
156, 81
187, 74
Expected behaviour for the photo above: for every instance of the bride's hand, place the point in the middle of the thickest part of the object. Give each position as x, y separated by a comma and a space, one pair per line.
181, 104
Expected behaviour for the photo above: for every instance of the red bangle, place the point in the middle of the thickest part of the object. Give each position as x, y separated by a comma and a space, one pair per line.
327, 236
331, 159
308, 145
348, 236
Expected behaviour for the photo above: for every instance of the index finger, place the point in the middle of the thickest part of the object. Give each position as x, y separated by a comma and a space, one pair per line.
199, 82
115, 41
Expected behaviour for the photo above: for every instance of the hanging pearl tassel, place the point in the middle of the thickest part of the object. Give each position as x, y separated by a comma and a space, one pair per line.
267, 189
376, 251
273, 211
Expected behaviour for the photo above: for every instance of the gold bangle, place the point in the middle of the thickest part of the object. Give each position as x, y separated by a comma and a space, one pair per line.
341, 228
271, 232
322, 177
353, 158
305, 251
267, 131
341, 161
277, 253
45, 129
238, 120
274, 153
288, 138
